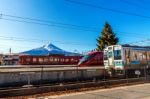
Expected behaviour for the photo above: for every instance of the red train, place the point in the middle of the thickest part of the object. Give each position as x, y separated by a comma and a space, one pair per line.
49, 60
94, 58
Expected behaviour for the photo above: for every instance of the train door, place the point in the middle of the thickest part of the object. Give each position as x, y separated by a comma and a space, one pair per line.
105, 59
110, 56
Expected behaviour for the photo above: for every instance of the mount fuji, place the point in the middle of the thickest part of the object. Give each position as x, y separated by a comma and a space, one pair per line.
49, 49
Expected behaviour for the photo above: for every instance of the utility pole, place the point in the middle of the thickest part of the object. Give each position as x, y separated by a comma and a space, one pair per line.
9, 50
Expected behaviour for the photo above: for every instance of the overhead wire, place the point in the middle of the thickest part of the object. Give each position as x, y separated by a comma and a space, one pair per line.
69, 43
95, 29
141, 41
46, 21
120, 32
107, 9
133, 4
36, 40
51, 25
131, 43
46, 41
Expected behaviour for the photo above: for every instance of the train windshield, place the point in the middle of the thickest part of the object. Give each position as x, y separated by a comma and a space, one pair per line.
105, 56
86, 57
117, 54
110, 54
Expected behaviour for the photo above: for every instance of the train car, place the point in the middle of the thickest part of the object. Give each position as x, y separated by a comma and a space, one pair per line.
126, 59
48, 60
94, 58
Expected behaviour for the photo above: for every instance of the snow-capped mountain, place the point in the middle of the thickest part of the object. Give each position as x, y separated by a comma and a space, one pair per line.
49, 49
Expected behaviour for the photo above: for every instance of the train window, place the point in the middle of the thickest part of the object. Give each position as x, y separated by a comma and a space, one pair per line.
72, 59
86, 57
62, 60
34, 60
28, 59
127, 53
135, 56
109, 54
143, 57
117, 54
45, 59
110, 48
76, 60
40, 60
67, 60
105, 56
51, 59
55, 59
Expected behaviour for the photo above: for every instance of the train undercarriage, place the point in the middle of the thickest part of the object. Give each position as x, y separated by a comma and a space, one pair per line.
128, 73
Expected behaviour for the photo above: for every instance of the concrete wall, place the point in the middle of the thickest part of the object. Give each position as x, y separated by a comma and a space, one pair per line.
20, 78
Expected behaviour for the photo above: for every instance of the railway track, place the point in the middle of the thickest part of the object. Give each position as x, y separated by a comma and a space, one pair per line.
39, 89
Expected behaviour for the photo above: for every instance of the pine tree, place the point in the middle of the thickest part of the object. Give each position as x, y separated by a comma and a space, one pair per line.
107, 38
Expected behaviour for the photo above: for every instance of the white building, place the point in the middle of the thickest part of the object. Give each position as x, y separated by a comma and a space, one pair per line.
9, 59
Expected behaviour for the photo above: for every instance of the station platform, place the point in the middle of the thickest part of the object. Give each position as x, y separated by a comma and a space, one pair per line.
37, 68
140, 91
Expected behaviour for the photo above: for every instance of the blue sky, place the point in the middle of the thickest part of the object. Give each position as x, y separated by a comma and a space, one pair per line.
128, 28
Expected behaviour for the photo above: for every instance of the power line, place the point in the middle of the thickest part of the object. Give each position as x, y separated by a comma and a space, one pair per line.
45, 41
133, 4
88, 44
121, 32
51, 25
144, 1
84, 28
46, 21
61, 26
33, 40
41, 41
108, 9
131, 43
141, 41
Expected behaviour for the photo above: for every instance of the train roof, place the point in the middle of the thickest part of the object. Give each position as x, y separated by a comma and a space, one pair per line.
144, 48
136, 46
93, 52
133, 47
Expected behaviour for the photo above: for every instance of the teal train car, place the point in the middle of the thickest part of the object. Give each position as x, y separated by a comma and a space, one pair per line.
120, 59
